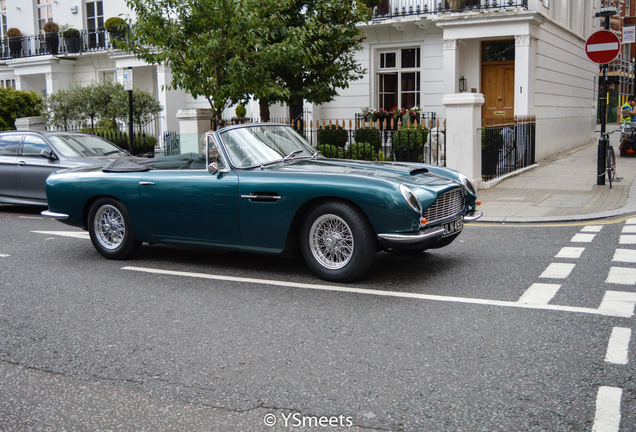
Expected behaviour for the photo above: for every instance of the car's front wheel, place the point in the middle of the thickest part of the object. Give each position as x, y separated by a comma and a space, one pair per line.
110, 229
337, 242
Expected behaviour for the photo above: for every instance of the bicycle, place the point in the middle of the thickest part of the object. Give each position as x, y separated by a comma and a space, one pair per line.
610, 158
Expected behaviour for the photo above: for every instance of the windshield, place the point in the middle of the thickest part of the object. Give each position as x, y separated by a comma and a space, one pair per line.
256, 145
84, 146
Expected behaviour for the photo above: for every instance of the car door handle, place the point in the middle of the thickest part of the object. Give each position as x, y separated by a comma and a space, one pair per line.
21, 163
145, 183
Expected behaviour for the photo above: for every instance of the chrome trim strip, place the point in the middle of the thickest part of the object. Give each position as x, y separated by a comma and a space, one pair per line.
146, 183
261, 197
413, 238
54, 215
473, 217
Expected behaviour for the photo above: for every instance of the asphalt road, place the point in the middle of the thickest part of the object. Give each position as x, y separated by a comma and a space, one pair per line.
470, 337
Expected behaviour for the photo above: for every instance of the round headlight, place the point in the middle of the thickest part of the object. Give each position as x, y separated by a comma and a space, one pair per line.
411, 199
468, 183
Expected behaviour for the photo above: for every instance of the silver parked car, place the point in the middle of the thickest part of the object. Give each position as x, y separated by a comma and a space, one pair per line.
28, 157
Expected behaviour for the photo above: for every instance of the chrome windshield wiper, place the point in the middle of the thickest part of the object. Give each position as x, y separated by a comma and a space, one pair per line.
295, 152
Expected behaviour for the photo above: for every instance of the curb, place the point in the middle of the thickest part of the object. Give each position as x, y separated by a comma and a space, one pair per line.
628, 208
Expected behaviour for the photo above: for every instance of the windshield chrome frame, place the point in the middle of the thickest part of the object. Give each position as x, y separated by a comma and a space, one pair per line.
217, 135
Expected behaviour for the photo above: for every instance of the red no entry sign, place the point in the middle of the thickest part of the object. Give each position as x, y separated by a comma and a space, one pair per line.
602, 47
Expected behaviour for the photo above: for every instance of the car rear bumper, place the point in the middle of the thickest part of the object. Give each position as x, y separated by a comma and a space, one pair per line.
54, 215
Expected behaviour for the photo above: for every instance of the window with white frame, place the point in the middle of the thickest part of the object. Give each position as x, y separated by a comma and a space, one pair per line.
7, 83
95, 23
399, 78
45, 13
3, 18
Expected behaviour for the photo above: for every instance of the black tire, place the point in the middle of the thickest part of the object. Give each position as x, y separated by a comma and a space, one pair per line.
111, 231
347, 250
611, 165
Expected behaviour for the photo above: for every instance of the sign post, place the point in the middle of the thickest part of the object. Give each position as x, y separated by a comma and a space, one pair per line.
128, 86
602, 47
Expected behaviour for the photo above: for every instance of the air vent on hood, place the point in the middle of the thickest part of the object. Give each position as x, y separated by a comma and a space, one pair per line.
418, 171
263, 197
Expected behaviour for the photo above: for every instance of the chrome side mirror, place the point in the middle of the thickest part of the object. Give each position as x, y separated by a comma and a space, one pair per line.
213, 168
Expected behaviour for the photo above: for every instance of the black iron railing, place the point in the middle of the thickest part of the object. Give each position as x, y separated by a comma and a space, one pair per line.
86, 41
397, 8
506, 146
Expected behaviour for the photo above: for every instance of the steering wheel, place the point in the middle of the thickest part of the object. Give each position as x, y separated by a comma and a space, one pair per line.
247, 158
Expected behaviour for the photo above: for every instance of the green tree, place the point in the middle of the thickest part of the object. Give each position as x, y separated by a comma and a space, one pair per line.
61, 108
15, 104
318, 45
216, 49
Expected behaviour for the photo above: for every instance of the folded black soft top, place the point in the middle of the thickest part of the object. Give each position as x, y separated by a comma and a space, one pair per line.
135, 164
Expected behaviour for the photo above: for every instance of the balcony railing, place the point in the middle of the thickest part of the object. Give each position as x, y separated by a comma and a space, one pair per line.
56, 44
397, 8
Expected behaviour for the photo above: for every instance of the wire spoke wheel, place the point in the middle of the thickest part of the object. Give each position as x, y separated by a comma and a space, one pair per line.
110, 227
611, 165
331, 241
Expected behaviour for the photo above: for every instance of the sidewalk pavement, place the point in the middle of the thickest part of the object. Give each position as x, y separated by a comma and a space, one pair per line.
562, 188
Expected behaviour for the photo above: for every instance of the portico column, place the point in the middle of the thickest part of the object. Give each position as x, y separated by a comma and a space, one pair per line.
524, 76
463, 137
450, 65
193, 123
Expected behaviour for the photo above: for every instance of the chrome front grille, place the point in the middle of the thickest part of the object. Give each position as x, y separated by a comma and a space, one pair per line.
447, 204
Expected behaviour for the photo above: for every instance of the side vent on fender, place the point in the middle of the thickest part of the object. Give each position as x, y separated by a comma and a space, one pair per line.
262, 197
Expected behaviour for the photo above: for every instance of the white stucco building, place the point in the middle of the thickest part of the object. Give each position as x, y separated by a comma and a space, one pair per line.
527, 57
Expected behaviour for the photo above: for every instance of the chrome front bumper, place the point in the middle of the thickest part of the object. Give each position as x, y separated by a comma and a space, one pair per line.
54, 215
420, 236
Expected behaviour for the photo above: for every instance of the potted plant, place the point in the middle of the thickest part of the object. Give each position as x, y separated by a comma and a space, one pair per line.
116, 28
408, 141
51, 36
72, 40
15, 41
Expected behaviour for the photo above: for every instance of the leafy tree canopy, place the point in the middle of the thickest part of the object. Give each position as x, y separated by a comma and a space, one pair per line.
105, 103
15, 104
229, 50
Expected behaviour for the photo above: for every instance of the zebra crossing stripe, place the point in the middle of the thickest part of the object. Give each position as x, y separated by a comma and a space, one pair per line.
627, 239
618, 303
583, 238
570, 252
622, 275
592, 228
629, 229
557, 271
618, 345
539, 294
608, 410
625, 255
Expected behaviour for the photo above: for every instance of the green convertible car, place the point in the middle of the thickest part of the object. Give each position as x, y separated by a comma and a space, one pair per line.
263, 188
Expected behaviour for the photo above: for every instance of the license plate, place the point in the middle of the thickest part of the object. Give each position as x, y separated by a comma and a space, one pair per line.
453, 227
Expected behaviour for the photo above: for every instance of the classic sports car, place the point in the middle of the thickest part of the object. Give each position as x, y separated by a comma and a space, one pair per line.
263, 188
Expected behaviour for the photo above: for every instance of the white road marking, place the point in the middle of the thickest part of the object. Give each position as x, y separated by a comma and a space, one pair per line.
627, 239
630, 221
570, 252
618, 345
539, 294
4, 255
618, 303
622, 275
618, 306
557, 271
625, 255
592, 228
75, 234
30, 217
629, 229
583, 238
608, 410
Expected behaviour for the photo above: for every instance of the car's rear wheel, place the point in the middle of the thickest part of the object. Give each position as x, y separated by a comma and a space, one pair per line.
337, 242
110, 229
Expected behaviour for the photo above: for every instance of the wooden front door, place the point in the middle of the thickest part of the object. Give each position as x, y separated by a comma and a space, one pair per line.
498, 84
